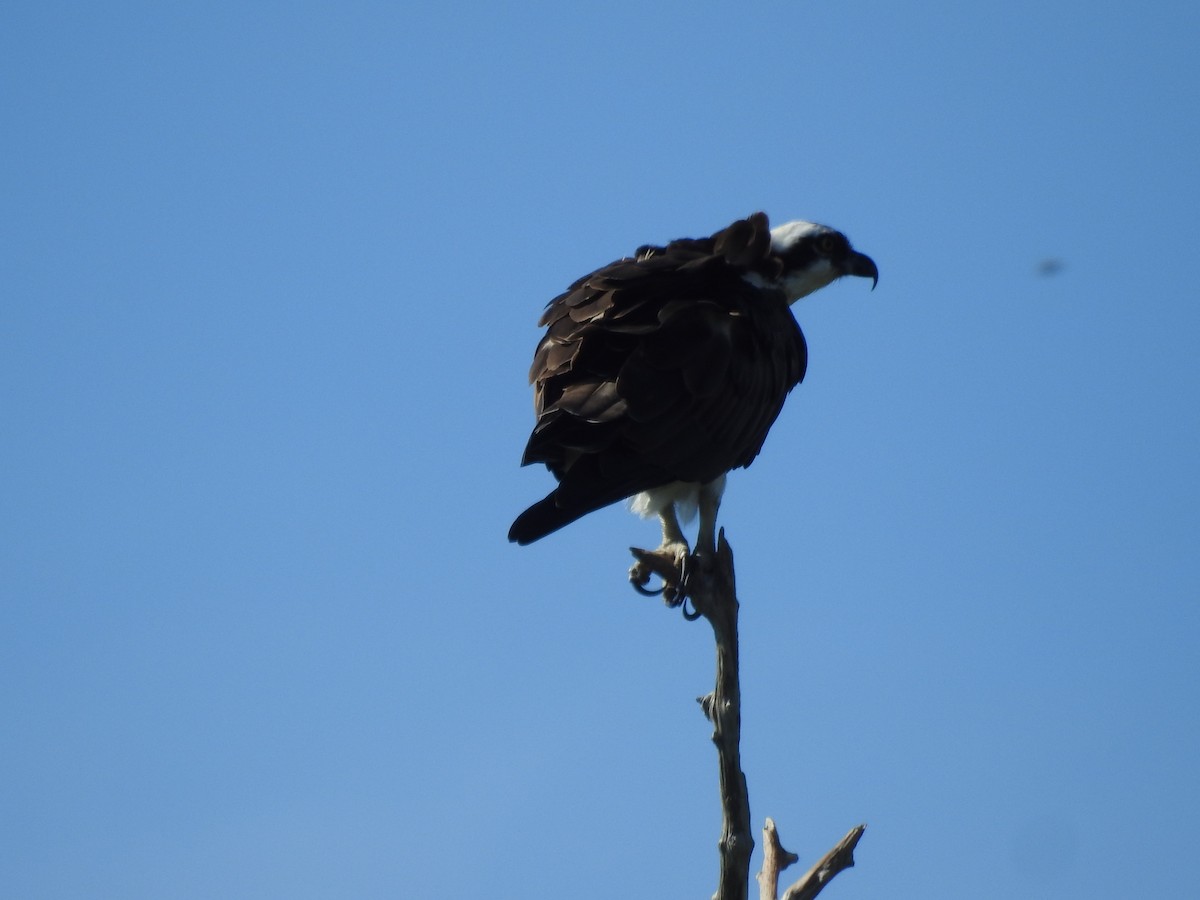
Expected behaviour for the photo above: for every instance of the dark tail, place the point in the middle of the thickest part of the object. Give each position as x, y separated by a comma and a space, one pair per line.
541, 519
573, 499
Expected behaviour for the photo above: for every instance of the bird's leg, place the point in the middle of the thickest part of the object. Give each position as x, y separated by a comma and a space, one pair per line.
672, 534
668, 562
710, 502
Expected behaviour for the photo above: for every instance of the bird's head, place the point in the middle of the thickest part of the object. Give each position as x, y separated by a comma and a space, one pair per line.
811, 256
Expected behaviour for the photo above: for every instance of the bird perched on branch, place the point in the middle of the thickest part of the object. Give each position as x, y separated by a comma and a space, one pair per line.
661, 372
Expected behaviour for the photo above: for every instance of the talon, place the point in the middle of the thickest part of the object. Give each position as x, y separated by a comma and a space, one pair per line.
670, 565
678, 595
639, 577
640, 587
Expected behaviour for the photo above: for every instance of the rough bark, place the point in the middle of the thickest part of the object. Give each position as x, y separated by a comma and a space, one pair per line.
713, 594
775, 860
839, 858
711, 589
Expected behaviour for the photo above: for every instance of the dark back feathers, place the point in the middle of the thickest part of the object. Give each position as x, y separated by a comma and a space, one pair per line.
665, 366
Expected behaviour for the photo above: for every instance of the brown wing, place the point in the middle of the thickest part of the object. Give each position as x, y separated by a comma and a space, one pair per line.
669, 366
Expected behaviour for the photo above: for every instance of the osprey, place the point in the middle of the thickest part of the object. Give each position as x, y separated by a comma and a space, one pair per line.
661, 372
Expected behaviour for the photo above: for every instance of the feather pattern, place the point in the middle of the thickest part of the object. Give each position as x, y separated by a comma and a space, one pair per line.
667, 366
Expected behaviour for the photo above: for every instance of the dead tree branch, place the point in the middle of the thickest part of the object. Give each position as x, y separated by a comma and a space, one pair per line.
775, 860
710, 585
712, 590
839, 858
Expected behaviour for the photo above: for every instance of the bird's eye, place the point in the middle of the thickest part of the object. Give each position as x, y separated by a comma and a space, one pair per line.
825, 244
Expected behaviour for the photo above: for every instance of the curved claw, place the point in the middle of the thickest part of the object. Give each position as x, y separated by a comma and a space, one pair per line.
690, 616
677, 594
641, 588
672, 568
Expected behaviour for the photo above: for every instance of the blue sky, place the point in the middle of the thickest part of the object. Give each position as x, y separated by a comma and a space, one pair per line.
271, 274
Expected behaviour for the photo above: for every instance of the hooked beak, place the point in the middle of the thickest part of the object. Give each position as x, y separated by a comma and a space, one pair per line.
863, 266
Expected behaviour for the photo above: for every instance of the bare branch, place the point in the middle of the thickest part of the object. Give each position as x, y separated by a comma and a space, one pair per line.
708, 581
711, 587
775, 860
839, 858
